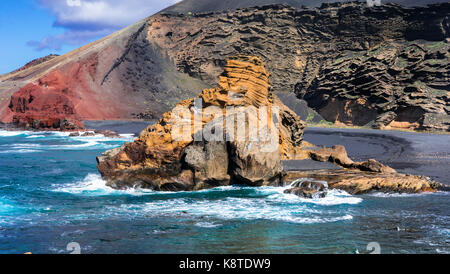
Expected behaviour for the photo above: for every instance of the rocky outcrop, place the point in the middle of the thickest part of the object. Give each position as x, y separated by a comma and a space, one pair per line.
396, 84
308, 189
237, 132
45, 105
385, 66
351, 63
338, 155
354, 177
359, 182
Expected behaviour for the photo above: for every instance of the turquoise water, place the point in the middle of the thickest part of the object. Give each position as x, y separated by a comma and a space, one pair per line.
51, 195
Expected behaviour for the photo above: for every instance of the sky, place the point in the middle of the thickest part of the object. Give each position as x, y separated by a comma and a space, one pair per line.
30, 29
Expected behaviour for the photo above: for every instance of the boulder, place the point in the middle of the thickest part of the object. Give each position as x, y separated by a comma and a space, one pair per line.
361, 182
209, 162
308, 189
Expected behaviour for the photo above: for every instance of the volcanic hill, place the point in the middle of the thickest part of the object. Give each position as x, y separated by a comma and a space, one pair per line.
384, 66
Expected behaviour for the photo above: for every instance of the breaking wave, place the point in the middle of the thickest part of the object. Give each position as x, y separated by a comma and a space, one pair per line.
264, 203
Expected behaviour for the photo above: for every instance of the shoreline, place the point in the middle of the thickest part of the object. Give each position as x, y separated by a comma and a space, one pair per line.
94, 123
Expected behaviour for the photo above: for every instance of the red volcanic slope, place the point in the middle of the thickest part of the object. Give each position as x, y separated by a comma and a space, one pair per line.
64, 93
45, 105
117, 77
68, 87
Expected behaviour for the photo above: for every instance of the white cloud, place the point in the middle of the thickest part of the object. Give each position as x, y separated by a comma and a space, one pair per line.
87, 20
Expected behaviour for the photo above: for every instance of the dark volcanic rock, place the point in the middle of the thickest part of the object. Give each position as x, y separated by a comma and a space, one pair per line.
351, 63
308, 189
201, 6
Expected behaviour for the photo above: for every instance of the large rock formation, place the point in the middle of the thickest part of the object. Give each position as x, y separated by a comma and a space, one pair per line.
360, 182
237, 132
356, 65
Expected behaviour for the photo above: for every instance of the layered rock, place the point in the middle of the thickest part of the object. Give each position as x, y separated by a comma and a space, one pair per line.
351, 63
237, 132
45, 105
354, 65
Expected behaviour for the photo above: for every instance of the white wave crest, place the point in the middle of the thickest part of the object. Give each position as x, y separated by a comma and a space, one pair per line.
207, 224
94, 185
36, 136
6, 133
233, 208
19, 151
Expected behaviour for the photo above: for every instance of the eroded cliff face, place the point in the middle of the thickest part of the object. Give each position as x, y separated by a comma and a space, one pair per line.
384, 66
237, 132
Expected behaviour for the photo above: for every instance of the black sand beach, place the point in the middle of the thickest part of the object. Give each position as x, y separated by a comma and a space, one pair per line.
407, 152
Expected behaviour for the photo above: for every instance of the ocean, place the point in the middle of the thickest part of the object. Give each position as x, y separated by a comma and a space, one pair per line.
51, 195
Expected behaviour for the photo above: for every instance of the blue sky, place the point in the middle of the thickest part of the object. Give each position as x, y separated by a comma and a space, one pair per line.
36, 28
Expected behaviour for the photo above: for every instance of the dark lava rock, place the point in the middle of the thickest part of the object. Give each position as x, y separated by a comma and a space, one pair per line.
88, 134
308, 189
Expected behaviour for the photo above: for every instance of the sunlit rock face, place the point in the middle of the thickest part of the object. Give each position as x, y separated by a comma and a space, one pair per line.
237, 132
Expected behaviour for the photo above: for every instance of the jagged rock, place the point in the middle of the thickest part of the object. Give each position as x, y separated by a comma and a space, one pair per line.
164, 159
338, 155
359, 182
384, 119
74, 134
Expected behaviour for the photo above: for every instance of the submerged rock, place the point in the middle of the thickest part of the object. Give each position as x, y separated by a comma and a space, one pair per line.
108, 133
359, 182
308, 189
237, 132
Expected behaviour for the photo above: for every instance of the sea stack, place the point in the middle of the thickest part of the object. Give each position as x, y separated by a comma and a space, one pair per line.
235, 133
